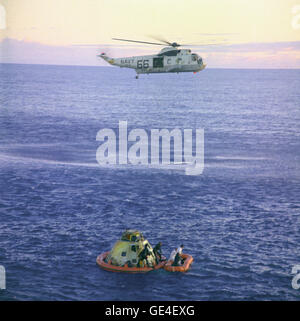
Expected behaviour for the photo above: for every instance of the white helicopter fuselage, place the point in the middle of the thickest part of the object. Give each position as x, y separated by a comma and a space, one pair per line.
169, 59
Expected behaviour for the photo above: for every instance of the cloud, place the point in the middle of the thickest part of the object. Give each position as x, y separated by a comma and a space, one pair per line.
17, 51
254, 55
253, 47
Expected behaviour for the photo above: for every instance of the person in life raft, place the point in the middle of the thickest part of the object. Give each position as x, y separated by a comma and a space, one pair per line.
176, 256
158, 253
143, 256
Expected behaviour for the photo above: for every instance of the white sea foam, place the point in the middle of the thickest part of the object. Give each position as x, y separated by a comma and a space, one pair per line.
241, 158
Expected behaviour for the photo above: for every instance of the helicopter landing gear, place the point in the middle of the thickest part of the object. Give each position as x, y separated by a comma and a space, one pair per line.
137, 76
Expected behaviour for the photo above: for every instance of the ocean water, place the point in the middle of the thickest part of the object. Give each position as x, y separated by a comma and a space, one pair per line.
59, 209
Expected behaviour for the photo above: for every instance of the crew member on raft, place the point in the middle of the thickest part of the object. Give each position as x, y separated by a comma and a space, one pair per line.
172, 255
177, 260
179, 250
144, 255
157, 252
176, 256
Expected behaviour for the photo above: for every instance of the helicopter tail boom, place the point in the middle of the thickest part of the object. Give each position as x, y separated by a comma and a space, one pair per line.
106, 58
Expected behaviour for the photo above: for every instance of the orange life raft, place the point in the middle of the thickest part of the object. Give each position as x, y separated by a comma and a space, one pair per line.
115, 268
188, 260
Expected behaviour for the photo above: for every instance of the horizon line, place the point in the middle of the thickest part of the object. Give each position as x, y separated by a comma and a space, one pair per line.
101, 66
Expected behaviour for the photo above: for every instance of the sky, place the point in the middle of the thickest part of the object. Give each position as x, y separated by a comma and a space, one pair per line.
249, 33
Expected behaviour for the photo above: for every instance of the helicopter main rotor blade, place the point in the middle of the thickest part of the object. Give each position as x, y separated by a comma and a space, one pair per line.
172, 44
161, 39
205, 44
149, 43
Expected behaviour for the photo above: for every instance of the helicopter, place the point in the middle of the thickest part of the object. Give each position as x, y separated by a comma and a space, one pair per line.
169, 59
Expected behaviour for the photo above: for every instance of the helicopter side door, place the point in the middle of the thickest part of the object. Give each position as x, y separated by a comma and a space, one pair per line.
158, 62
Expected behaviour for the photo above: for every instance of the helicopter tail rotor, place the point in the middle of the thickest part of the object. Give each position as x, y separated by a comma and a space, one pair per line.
106, 58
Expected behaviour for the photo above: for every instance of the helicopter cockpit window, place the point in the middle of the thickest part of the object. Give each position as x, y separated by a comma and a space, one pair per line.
169, 53
194, 57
